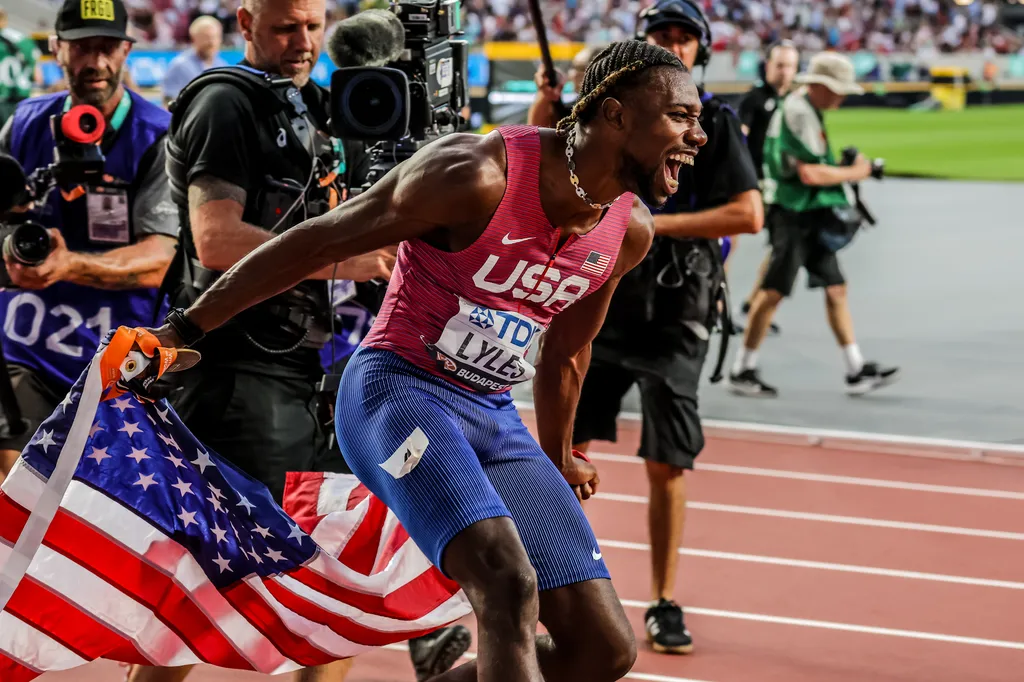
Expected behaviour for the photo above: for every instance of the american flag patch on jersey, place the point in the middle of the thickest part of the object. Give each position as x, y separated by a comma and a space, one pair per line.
596, 263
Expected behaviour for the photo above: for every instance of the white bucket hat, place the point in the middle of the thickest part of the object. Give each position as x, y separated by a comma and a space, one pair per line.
834, 71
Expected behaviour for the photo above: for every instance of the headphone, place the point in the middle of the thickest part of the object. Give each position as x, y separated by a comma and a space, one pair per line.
685, 12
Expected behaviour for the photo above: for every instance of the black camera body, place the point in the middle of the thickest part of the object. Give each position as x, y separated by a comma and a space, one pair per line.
849, 156
77, 159
412, 100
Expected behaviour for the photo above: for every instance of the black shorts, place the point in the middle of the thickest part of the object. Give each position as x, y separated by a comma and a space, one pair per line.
265, 425
37, 400
671, 432
794, 245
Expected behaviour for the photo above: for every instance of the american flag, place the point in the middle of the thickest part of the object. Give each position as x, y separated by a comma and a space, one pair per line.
123, 537
596, 263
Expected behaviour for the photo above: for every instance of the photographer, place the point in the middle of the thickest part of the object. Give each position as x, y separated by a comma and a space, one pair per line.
657, 331
548, 108
811, 214
111, 240
249, 155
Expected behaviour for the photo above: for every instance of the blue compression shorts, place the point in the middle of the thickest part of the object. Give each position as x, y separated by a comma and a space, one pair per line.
477, 461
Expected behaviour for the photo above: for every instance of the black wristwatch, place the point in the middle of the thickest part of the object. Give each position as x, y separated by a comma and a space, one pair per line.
188, 330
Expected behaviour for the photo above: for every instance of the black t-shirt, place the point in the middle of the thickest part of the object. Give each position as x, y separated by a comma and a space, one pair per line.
635, 329
219, 138
756, 111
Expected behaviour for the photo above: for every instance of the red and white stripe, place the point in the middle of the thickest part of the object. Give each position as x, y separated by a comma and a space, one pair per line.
106, 583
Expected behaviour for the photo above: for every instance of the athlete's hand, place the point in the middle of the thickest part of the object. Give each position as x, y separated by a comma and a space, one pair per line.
582, 477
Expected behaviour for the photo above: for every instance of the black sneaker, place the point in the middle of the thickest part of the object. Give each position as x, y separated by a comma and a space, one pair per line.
748, 383
871, 377
665, 629
437, 652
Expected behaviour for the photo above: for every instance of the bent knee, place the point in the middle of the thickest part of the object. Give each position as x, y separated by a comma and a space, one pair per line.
615, 659
835, 293
771, 297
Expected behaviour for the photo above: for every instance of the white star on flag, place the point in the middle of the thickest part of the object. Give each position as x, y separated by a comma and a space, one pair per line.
123, 404
177, 462
265, 532
222, 562
163, 415
146, 481
274, 555
216, 493
66, 403
249, 506
96, 428
183, 488
168, 441
188, 518
138, 455
254, 555
222, 535
99, 454
296, 533
46, 440
130, 428
216, 503
203, 461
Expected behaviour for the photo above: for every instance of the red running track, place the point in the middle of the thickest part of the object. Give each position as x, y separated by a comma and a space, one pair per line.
807, 564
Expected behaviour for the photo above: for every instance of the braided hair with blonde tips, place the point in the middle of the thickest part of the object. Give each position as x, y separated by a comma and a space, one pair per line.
618, 67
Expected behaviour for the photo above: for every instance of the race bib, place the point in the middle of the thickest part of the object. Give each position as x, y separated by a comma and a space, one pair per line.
486, 349
108, 215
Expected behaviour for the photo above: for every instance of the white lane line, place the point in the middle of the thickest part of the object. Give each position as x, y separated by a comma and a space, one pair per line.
469, 656
826, 518
821, 565
845, 627
815, 436
828, 478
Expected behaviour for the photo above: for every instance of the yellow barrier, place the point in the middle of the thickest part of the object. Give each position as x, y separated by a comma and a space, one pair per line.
521, 52
949, 87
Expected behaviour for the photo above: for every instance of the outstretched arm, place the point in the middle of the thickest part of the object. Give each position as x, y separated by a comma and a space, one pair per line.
455, 183
565, 354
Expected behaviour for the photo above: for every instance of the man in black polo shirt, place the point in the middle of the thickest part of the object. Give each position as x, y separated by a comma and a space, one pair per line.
657, 330
782, 61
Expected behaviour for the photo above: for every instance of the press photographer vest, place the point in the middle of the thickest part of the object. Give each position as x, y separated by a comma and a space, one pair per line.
57, 330
782, 144
300, 316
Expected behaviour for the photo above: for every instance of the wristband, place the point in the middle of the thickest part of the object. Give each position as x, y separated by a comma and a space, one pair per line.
189, 331
581, 455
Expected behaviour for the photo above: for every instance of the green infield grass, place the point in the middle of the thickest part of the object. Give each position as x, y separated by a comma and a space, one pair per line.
978, 143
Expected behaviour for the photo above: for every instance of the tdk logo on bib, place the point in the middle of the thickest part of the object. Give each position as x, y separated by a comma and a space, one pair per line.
486, 348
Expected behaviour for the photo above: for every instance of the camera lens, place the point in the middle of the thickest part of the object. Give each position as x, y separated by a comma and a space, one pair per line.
372, 103
29, 244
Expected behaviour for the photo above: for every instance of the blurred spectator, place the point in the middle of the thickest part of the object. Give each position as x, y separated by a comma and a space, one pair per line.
207, 34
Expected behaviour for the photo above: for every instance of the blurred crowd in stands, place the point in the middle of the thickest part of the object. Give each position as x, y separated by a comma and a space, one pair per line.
879, 26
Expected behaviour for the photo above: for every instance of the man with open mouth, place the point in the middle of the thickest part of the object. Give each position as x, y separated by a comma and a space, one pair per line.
657, 329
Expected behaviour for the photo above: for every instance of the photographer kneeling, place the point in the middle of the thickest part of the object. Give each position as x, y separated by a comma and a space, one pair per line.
812, 213
250, 155
112, 224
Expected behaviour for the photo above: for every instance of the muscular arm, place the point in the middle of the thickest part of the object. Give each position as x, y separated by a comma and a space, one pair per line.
222, 238
743, 214
565, 352
456, 183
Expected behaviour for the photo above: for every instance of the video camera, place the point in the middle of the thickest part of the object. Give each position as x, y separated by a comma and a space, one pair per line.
77, 159
849, 156
402, 78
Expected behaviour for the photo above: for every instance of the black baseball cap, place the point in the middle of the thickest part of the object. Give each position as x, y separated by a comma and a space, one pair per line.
80, 19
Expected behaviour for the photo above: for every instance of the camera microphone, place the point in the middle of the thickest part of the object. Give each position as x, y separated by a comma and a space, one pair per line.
373, 37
